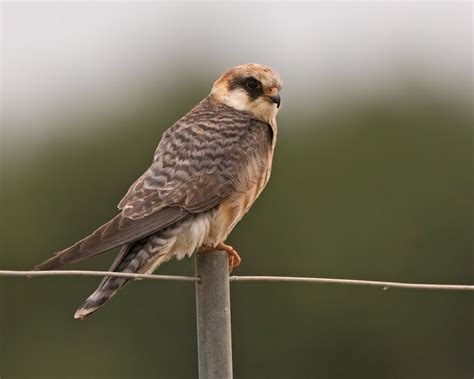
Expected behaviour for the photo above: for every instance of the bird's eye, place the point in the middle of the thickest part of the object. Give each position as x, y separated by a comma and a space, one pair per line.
252, 84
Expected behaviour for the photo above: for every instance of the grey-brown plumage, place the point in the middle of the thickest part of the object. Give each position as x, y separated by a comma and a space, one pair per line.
206, 172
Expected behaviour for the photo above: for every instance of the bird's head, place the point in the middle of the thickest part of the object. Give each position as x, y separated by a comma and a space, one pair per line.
253, 88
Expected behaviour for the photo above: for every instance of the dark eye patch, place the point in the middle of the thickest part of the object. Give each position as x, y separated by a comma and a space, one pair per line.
251, 85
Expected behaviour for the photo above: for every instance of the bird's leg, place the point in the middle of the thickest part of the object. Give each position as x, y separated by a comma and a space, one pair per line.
234, 257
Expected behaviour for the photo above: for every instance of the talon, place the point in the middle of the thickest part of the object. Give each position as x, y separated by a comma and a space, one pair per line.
233, 256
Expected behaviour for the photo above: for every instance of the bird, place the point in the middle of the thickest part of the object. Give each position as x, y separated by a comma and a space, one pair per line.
207, 171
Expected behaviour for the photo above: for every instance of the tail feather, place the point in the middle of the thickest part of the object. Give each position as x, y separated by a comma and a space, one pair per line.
100, 297
133, 258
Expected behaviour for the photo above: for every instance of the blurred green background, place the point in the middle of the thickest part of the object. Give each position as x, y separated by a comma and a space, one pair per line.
375, 183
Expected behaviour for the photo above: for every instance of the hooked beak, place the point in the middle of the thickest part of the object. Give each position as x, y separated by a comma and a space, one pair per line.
273, 95
276, 99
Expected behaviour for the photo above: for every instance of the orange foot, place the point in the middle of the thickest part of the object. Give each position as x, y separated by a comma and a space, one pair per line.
234, 257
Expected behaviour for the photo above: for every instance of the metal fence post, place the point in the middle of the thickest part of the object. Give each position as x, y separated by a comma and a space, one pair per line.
213, 316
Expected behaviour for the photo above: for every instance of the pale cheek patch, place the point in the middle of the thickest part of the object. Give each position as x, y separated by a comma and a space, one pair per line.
260, 108
237, 99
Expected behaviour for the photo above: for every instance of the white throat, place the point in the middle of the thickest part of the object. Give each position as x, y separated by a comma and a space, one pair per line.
238, 99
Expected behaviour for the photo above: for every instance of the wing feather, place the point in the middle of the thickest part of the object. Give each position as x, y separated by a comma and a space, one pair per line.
195, 167
197, 161
117, 232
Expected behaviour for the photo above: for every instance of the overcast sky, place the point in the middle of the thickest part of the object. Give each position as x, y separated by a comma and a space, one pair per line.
57, 56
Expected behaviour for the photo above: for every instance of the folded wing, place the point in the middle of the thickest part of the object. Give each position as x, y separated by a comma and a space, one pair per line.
117, 232
194, 169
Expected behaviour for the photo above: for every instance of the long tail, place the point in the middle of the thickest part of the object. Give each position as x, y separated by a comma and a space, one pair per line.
138, 257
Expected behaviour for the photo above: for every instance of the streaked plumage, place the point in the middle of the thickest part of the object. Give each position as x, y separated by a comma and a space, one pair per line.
207, 171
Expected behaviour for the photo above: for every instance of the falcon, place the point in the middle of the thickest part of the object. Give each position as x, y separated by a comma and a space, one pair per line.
207, 171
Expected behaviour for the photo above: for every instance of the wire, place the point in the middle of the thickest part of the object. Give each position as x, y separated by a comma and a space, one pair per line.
96, 273
354, 282
290, 279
